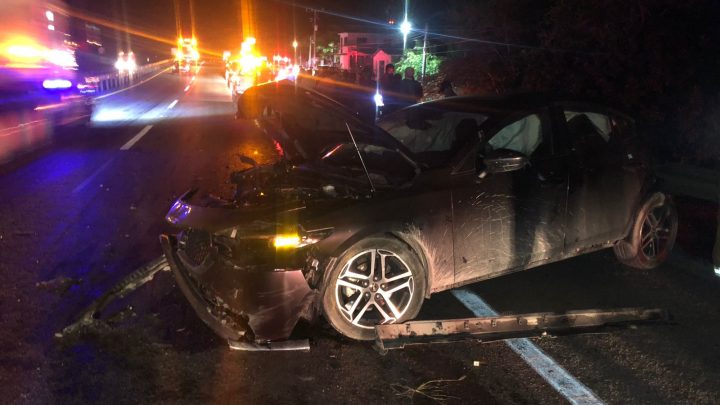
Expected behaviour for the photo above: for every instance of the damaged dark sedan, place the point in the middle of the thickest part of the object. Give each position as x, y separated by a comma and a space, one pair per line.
361, 223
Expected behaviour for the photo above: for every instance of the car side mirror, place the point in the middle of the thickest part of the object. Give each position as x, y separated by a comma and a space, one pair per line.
505, 160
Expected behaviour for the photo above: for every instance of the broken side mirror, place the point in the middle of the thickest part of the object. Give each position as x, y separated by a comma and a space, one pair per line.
505, 160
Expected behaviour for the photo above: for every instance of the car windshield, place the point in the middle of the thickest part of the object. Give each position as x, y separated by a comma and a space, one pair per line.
386, 167
433, 135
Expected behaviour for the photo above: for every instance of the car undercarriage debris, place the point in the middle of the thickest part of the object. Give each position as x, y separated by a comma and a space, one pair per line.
490, 328
281, 346
130, 283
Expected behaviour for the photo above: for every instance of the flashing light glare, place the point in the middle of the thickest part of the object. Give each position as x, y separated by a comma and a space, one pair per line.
295, 44
378, 100
251, 40
50, 15
53, 84
23, 51
62, 58
405, 27
286, 241
51, 27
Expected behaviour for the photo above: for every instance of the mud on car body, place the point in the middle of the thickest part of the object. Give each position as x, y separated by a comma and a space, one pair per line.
361, 223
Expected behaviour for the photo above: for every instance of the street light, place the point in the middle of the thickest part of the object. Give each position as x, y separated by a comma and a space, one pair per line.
295, 45
405, 28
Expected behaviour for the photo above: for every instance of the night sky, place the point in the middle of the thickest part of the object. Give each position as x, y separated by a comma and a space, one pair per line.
218, 24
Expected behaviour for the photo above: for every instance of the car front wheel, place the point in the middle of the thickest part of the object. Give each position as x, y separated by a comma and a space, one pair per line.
379, 280
652, 236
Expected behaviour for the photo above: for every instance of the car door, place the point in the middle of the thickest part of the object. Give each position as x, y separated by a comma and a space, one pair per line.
513, 220
606, 174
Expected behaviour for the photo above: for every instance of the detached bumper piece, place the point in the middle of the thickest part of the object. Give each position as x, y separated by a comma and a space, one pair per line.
282, 346
485, 329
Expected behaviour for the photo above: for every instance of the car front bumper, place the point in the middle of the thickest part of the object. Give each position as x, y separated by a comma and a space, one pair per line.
257, 306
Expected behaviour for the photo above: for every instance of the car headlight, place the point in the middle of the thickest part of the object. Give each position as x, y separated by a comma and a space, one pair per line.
178, 212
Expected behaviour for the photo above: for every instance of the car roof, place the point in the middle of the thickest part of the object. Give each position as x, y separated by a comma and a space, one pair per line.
511, 103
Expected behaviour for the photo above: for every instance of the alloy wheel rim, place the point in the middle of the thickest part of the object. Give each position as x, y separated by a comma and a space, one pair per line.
374, 287
656, 231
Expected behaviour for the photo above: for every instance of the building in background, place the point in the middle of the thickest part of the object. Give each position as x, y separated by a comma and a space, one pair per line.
375, 49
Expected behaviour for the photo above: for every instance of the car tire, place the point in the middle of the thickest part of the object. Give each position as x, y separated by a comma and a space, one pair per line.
652, 236
356, 297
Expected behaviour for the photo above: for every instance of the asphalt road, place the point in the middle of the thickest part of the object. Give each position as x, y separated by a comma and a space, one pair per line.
80, 214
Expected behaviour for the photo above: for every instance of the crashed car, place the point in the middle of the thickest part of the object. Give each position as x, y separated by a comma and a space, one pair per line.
362, 223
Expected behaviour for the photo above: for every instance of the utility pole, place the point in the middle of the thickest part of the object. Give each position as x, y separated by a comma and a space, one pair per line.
424, 56
192, 19
310, 58
314, 39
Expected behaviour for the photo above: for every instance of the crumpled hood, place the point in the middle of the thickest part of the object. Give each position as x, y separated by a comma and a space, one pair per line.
266, 195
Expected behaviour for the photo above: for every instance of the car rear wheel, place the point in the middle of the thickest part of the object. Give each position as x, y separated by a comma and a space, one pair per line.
379, 280
652, 236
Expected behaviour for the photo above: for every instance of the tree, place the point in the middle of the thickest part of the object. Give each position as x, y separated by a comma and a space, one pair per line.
413, 58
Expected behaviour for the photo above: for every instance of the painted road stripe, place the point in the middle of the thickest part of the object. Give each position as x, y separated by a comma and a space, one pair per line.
136, 138
564, 383
187, 87
92, 177
172, 105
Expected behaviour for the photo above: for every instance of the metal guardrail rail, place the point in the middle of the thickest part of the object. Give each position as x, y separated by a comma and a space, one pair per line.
116, 81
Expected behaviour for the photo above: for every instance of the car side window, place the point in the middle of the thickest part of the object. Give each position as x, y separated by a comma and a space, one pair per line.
599, 140
524, 135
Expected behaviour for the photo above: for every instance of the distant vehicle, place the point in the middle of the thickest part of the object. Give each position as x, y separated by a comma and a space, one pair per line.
361, 223
186, 54
40, 87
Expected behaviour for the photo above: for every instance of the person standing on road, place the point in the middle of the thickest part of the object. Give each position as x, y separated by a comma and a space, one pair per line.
390, 89
387, 80
411, 89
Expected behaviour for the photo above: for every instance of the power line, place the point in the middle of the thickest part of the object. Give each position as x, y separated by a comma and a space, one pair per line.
442, 35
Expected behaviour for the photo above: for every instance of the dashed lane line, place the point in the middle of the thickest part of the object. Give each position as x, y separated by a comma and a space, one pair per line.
555, 375
172, 105
91, 177
136, 138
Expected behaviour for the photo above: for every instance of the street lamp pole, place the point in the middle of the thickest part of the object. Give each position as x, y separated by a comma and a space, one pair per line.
424, 55
295, 45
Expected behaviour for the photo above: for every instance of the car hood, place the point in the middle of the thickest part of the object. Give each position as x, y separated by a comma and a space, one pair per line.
266, 197
306, 124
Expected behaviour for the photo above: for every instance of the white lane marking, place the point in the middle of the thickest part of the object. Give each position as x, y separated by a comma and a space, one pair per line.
136, 138
92, 176
133, 86
187, 87
172, 105
562, 381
